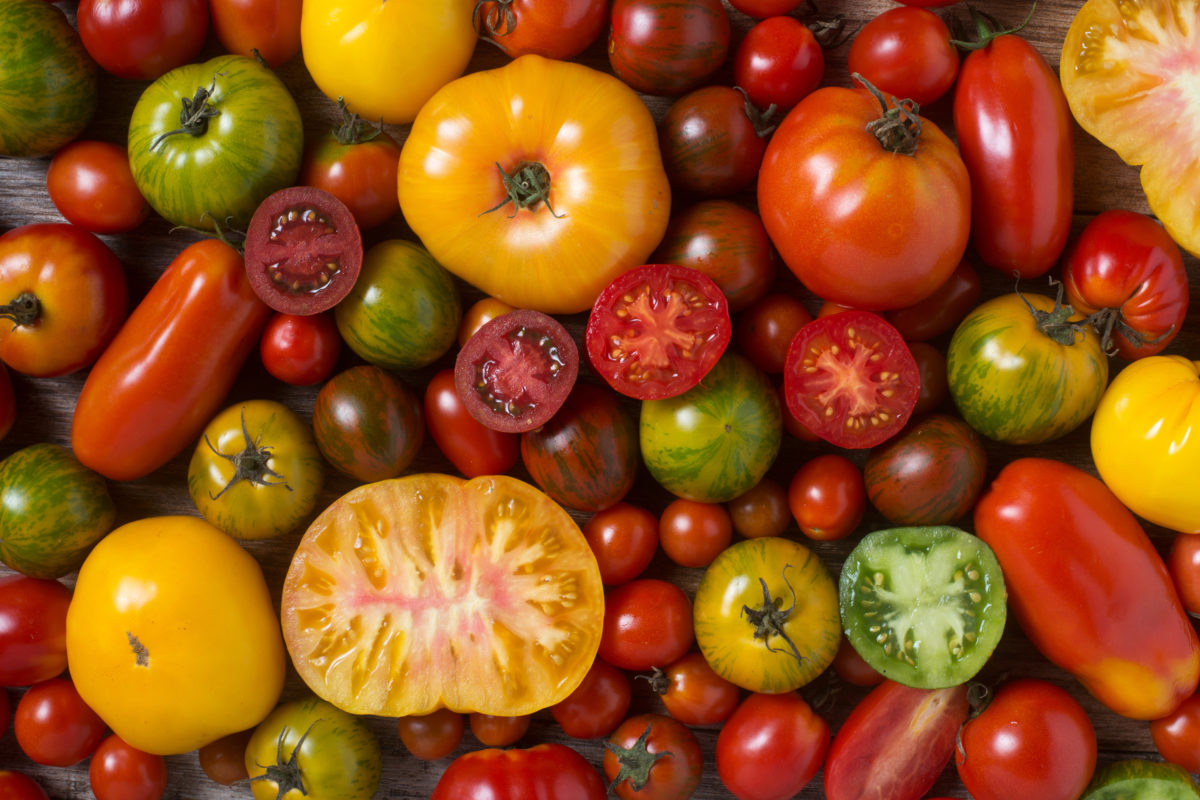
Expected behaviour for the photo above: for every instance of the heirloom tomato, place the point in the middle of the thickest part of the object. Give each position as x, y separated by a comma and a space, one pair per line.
653, 757
368, 423
1177, 735
143, 39
827, 497
692, 692
92, 186
120, 772
432, 736
1142, 443
209, 141
559, 29
491, 730
33, 630
624, 539
300, 350
778, 63
762, 510
538, 182
905, 52
766, 615
771, 747
172, 635
1138, 777
224, 760
647, 622
827, 194
544, 771
269, 27
598, 704
765, 329
664, 47
1127, 69
54, 726
712, 141
1066, 542
483, 593
472, 447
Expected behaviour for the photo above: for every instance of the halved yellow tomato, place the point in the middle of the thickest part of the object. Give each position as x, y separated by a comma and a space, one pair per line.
429, 591
1130, 69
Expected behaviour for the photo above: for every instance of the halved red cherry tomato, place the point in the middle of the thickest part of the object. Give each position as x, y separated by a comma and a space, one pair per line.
472, 447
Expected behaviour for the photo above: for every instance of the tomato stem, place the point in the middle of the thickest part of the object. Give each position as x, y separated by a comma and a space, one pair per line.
636, 761
768, 619
251, 464
1056, 323
987, 29
194, 117
899, 129
528, 185
286, 775
761, 119
500, 20
1107, 320
24, 309
352, 129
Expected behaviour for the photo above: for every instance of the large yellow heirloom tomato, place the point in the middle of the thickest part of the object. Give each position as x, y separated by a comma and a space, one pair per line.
386, 57
538, 182
1146, 440
1130, 69
172, 637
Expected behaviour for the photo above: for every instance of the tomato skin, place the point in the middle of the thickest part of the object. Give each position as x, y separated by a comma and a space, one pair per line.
224, 760
54, 726
671, 748
666, 48
941, 311
647, 623
358, 165
495, 731
472, 447
300, 350
692, 533
765, 329
761, 510
1177, 735
1183, 562
624, 539
1022, 185
853, 668
19, 786
761, 9
778, 63
153, 390
771, 747
144, 39
543, 772
1119, 627
434, 735
33, 630
559, 29
693, 693
711, 142
597, 705
827, 497
92, 186
478, 314
272, 27
120, 772
906, 52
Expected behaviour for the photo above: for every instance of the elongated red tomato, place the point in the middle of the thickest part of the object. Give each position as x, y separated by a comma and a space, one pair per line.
169, 368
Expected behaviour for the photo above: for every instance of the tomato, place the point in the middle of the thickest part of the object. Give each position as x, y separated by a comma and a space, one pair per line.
145, 39
1126, 273
905, 52
559, 29
349, 46
1137, 777
496, 731
653, 757
762, 510
306, 748
193, 654
692, 533
761, 9
483, 622
91, 185
8, 402
1022, 184
1025, 369
19, 786
931, 367
300, 350
33, 630
1031, 737
766, 615
224, 760
850, 379
624, 539
472, 447
120, 772
213, 176
1177, 735
853, 668
47, 80
54, 726
269, 27
827, 194
942, 311
778, 63
478, 314
597, 189
544, 771
434, 735
1121, 72
597, 705
64, 291
1066, 542
895, 743
647, 623
764, 330
827, 497
153, 390
712, 141
256, 471
1183, 562
771, 747
924, 606
657, 330
666, 48
693, 693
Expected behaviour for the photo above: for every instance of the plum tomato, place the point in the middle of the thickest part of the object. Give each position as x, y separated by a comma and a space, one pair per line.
778, 63
941, 311
664, 47
304, 250
516, 371
301, 350
368, 423
906, 52
762, 510
472, 447
765, 329
54, 726
92, 186
33, 629
657, 330
624, 539
712, 141
851, 379
693, 693
118, 771
597, 705
434, 735
1177, 735
771, 747
693, 533
827, 497
653, 756
647, 623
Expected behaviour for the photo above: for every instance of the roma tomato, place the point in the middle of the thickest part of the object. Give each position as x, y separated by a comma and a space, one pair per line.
368, 423
54, 726
647, 623
827, 497
1177, 735
624, 539
666, 48
653, 757
269, 27
300, 350
559, 29
546, 770
120, 772
771, 747
92, 186
712, 141
598, 704
33, 630
1065, 542
143, 39
693, 693
153, 390
472, 447
906, 52
778, 63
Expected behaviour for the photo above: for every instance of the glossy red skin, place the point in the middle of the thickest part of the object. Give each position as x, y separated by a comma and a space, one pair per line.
494, 731
693, 693
765, 329
362, 175
597, 705
54, 726
272, 27
895, 743
676, 772
543, 772
8, 402
170, 367
906, 52
1126, 261
1032, 740
224, 760
120, 772
1065, 542
434, 735
1177, 735
853, 668
711, 147
473, 448
560, 29
761, 9
300, 350
771, 747
1022, 184
693, 533
33, 629
778, 63
624, 539
143, 39
666, 48
92, 186
647, 623
1183, 562
827, 497
368, 423
941, 311
19, 786
762, 510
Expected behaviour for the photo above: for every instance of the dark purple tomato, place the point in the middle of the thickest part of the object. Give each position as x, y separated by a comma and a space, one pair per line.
368, 423
941, 311
666, 47
712, 141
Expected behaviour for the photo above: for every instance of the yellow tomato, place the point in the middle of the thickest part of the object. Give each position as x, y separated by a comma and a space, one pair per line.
386, 57
1146, 440
172, 637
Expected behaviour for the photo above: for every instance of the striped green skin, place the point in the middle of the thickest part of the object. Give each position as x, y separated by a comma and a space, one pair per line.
1141, 779
404, 310
47, 80
1014, 384
249, 150
716, 440
586, 457
52, 510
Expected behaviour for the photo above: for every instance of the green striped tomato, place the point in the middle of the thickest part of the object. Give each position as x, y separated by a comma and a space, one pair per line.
47, 80
243, 142
1022, 370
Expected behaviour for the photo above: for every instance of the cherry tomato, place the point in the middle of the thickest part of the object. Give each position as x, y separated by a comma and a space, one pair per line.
1183, 562
224, 760
647, 623
853, 668
494, 731
778, 63
692, 533
560, 29
54, 726
480, 313
906, 52
597, 705
33, 629
432, 736
931, 367
761, 9
142, 39
268, 28
761, 511
301, 350
693, 692
765, 329
653, 757
624, 539
771, 747
712, 141
941, 311
828, 497
19, 786
665, 47
120, 772
1177, 735
473, 448
92, 186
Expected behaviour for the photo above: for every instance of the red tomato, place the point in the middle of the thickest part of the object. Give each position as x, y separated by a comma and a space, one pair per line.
1177, 735
300, 350
693, 533
545, 771
92, 186
494, 731
597, 705
434, 735
1022, 184
19, 786
712, 141
693, 693
771, 747
1128, 274
479, 314
1183, 562
828, 497
269, 27
760, 511
624, 539
765, 329
473, 448
906, 52
8, 402
647, 623
761, 9
778, 63
120, 772
224, 760
941, 311
853, 668
652, 757
559, 29
142, 39
667, 47
54, 726
33, 629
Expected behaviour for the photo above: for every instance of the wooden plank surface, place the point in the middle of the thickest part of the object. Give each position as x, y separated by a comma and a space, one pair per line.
45, 406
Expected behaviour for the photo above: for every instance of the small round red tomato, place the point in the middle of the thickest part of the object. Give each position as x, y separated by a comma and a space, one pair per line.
771, 747
828, 497
19, 786
941, 311
778, 63
906, 52
54, 726
853, 668
931, 369
761, 9
472, 447
479, 314
653, 757
300, 350
143, 39
765, 329
120, 772
712, 141
624, 539
434, 735
1177, 735
92, 186
224, 760
560, 29
1183, 562
268, 28
693, 693
647, 623
597, 705
33, 629
761, 511
546, 770
692, 533
495, 731
1032, 740
666, 47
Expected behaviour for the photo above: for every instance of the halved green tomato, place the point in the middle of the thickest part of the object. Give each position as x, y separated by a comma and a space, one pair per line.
430, 591
1140, 779
925, 606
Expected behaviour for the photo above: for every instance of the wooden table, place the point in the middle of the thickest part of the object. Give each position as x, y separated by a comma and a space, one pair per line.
1102, 182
